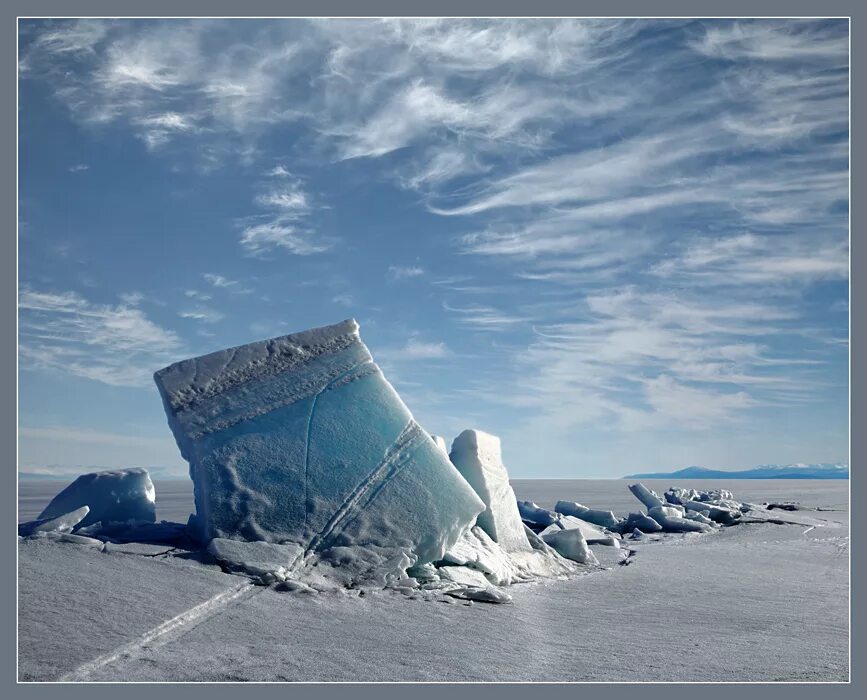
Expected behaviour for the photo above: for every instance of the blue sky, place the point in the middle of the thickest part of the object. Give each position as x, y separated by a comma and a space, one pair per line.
620, 245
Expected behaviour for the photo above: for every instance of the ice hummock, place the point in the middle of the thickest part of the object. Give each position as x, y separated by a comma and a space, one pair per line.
301, 440
114, 496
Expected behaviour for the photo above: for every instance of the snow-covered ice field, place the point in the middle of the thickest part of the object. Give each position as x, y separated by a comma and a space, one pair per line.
757, 602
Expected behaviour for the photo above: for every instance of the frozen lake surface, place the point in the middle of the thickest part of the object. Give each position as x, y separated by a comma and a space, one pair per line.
175, 497
757, 602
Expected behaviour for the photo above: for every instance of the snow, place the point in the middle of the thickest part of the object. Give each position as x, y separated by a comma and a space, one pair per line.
117, 495
60, 523
774, 596
478, 457
300, 439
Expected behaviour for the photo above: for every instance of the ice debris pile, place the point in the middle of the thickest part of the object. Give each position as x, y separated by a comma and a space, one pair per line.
118, 503
311, 473
679, 511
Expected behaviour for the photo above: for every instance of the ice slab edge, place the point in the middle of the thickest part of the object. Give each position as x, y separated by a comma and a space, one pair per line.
301, 439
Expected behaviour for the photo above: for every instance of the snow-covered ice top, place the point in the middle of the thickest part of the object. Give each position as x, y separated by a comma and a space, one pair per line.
301, 439
117, 495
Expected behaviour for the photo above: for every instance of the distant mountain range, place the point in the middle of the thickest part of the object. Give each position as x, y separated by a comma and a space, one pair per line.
70, 474
764, 471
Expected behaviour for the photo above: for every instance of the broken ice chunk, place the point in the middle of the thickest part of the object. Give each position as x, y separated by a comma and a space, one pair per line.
725, 516
592, 533
647, 496
60, 523
478, 458
672, 520
491, 594
603, 518
572, 545
301, 439
640, 521
254, 558
536, 515
117, 495
477, 550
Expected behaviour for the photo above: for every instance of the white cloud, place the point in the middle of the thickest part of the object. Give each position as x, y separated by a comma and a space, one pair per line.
760, 260
280, 234
284, 227
132, 298
772, 41
80, 36
196, 294
399, 272
202, 314
218, 281
290, 200
419, 350
416, 349
278, 171
78, 168
481, 317
116, 345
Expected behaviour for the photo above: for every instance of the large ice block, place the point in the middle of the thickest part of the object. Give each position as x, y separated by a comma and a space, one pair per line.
478, 457
118, 495
300, 439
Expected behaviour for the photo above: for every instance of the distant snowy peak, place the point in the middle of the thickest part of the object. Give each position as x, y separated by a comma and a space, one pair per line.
763, 471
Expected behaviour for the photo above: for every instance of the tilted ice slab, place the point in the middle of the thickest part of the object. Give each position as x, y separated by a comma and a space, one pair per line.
478, 457
301, 439
62, 523
603, 518
647, 496
114, 496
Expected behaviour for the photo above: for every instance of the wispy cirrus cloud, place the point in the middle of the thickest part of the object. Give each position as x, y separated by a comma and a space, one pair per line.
402, 272
116, 345
640, 219
285, 226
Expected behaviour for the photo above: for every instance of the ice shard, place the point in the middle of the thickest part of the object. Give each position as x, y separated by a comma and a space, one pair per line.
300, 439
478, 457
62, 523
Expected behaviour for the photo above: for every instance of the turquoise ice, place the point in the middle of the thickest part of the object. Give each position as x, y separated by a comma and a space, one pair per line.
301, 439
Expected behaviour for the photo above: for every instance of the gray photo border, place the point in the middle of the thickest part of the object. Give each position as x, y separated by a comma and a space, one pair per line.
264, 8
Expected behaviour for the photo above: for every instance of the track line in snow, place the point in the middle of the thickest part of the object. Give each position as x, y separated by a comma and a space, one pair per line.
164, 632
